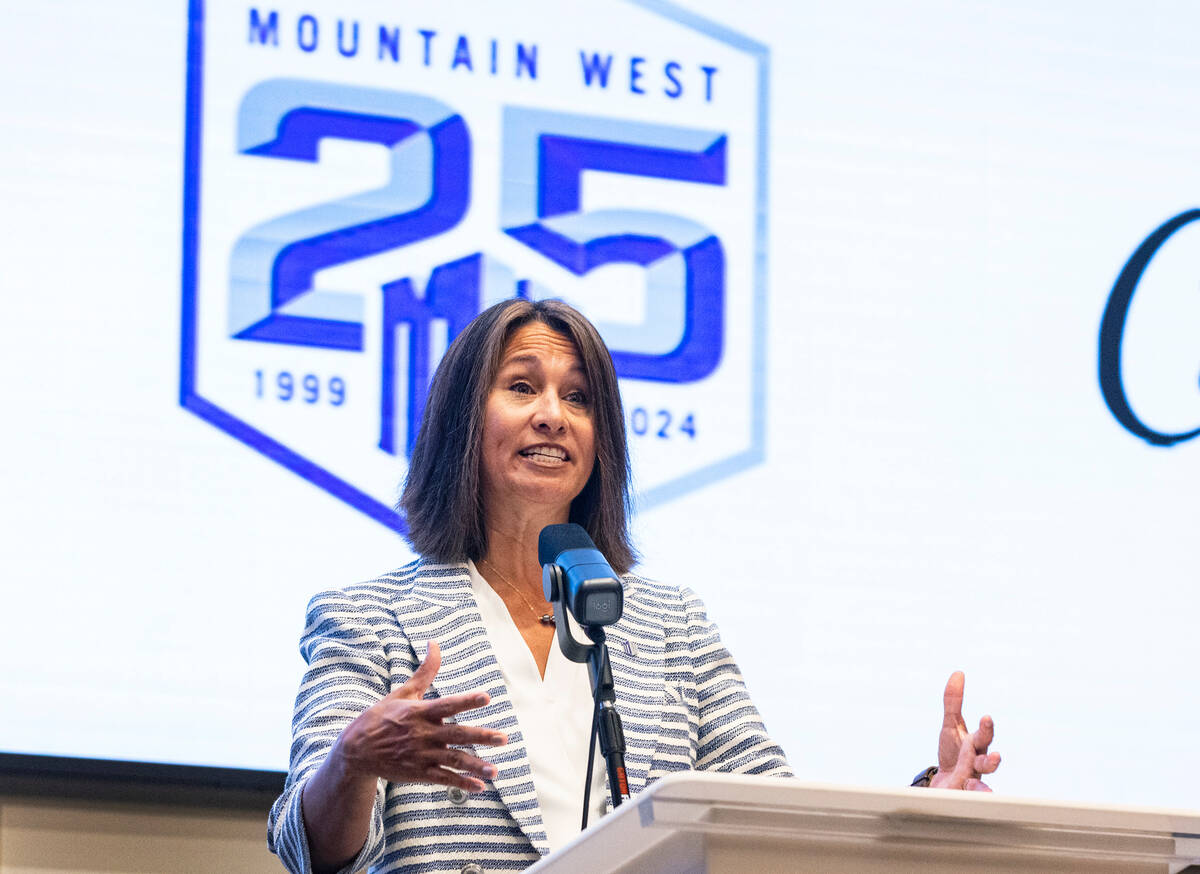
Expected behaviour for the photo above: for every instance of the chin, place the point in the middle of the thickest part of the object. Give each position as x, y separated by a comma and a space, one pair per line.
549, 493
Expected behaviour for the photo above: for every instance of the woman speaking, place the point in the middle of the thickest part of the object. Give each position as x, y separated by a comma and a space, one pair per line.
438, 728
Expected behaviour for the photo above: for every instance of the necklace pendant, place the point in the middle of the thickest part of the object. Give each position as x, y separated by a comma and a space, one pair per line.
546, 619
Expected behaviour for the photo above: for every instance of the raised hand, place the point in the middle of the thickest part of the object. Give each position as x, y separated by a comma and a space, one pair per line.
400, 737
963, 756
403, 737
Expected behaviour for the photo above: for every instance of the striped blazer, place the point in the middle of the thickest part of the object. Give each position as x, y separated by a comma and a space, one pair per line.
680, 695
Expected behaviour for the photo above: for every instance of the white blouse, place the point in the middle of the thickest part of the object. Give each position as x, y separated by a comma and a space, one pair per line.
555, 716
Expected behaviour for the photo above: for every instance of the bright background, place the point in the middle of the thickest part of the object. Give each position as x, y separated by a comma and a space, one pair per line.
954, 188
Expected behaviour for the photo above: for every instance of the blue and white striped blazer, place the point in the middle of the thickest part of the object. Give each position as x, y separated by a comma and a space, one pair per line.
680, 696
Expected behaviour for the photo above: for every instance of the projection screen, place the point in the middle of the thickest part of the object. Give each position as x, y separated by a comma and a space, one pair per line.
903, 299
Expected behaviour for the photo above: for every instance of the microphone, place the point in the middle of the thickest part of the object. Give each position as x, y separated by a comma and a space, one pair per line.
590, 588
576, 577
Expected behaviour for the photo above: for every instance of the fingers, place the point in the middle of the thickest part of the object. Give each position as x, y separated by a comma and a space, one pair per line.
964, 768
987, 764
422, 679
460, 760
418, 684
440, 708
444, 777
463, 735
963, 757
981, 739
449, 767
952, 699
434, 711
984, 735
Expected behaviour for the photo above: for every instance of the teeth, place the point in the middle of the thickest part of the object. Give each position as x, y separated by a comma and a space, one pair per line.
548, 451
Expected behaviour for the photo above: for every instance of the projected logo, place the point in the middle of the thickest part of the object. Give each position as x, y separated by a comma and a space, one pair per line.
359, 187
1148, 336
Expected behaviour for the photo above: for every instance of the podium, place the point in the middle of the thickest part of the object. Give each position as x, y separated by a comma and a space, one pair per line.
698, 823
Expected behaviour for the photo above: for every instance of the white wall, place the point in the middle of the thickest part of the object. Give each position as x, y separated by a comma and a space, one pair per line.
69, 836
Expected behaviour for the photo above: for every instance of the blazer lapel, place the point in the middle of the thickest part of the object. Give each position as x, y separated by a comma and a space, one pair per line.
637, 656
444, 610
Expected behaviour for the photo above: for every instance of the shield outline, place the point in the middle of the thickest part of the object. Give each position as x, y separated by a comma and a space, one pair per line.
190, 400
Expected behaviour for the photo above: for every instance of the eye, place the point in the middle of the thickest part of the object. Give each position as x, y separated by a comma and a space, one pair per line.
521, 387
577, 397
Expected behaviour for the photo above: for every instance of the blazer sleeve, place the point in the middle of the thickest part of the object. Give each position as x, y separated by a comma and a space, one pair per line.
348, 671
731, 736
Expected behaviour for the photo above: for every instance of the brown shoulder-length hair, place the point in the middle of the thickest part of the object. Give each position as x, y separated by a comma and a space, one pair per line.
443, 492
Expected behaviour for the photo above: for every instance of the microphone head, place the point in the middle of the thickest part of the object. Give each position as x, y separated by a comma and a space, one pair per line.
590, 589
555, 539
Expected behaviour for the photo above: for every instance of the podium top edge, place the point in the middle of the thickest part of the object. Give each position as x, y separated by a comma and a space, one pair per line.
786, 793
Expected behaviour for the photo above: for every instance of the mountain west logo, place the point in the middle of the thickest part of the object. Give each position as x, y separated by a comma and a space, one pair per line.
363, 179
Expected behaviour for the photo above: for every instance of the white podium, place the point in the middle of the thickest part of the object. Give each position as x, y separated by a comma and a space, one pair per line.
714, 823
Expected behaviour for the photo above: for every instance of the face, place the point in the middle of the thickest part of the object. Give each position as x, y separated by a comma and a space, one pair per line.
538, 438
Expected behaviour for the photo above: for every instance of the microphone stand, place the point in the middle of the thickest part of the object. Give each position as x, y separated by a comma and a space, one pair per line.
606, 717
612, 737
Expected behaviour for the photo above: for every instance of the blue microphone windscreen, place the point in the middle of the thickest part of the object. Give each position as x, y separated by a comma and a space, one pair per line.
554, 539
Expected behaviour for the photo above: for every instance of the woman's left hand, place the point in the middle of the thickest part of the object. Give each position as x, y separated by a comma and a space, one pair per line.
963, 756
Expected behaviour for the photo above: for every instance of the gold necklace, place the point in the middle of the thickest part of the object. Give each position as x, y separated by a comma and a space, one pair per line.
544, 618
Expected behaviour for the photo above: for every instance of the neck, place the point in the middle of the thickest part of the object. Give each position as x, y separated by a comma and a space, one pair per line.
513, 549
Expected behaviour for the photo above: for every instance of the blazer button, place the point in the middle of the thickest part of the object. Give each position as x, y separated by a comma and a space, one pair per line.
470, 867
459, 796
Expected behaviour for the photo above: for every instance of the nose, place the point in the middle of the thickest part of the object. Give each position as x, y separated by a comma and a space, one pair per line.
548, 416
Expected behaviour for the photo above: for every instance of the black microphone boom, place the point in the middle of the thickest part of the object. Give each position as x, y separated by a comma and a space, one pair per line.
591, 589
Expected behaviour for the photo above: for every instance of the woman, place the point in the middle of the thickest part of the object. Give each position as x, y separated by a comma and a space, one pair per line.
523, 428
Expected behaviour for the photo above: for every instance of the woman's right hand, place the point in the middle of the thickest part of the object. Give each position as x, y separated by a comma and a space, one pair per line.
404, 738
401, 737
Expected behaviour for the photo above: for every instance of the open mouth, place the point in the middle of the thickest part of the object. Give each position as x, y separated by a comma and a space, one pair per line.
552, 454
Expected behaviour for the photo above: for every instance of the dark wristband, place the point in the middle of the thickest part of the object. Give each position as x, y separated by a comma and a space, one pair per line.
922, 779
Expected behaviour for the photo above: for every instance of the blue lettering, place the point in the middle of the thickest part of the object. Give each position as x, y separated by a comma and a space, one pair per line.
635, 73
261, 31
670, 70
353, 50
593, 67
428, 36
527, 60
709, 72
462, 55
493, 57
307, 22
389, 40
451, 294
